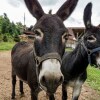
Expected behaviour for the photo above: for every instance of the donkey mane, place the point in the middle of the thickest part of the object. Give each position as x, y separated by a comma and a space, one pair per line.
79, 61
50, 11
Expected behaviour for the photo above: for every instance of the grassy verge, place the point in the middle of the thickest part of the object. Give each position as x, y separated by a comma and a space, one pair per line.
6, 46
93, 78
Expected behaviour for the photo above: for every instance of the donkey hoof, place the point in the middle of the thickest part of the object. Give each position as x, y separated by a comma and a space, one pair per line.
13, 98
22, 95
47, 96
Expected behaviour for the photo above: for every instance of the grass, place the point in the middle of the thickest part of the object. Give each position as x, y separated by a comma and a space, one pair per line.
93, 78
68, 49
6, 46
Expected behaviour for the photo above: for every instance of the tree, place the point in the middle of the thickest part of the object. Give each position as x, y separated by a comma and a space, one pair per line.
5, 24
1, 20
5, 39
12, 28
19, 27
9, 29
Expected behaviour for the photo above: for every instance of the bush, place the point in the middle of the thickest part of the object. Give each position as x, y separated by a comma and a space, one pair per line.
5, 39
1, 37
16, 38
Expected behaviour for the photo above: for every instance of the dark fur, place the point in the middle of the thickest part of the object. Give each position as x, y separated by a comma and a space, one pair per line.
23, 60
74, 64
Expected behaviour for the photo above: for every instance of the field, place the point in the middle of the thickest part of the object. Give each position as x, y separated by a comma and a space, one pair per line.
90, 90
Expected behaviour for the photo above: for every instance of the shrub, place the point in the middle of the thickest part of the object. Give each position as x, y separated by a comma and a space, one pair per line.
5, 39
16, 38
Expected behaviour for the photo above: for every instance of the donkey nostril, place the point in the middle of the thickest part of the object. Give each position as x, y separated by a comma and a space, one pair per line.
43, 80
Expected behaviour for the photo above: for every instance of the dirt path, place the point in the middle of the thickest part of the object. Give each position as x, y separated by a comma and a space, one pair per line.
5, 84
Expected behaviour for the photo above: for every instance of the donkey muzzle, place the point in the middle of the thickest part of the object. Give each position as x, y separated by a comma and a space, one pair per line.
50, 76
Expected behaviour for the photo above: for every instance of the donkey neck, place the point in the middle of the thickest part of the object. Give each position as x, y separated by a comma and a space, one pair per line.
80, 55
79, 60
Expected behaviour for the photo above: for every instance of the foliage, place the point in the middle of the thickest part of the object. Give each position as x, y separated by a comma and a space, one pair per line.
5, 24
8, 36
8, 29
16, 38
5, 39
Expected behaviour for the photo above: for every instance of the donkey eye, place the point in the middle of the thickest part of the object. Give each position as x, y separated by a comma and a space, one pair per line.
38, 34
65, 36
91, 38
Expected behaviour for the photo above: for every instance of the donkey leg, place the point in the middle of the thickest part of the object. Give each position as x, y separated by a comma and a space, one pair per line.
64, 92
13, 86
34, 95
76, 91
21, 88
51, 97
34, 91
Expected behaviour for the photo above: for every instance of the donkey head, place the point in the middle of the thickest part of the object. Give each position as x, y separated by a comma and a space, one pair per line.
50, 37
92, 36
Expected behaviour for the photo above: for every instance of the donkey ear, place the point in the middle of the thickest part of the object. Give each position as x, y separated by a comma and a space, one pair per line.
35, 8
87, 15
66, 9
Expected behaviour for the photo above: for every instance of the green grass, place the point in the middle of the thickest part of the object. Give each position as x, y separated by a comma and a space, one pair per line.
6, 46
93, 78
68, 49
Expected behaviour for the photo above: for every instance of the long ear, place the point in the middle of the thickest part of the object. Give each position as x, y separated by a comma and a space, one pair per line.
35, 8
87, 15
66, 9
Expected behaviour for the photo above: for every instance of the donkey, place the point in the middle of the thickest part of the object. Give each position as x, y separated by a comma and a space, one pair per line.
38, 63
87, 51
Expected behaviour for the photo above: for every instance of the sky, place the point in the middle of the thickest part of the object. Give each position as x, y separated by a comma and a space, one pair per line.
15, 10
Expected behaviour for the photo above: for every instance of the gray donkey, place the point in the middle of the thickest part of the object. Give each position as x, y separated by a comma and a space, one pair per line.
38, 63
75, 63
